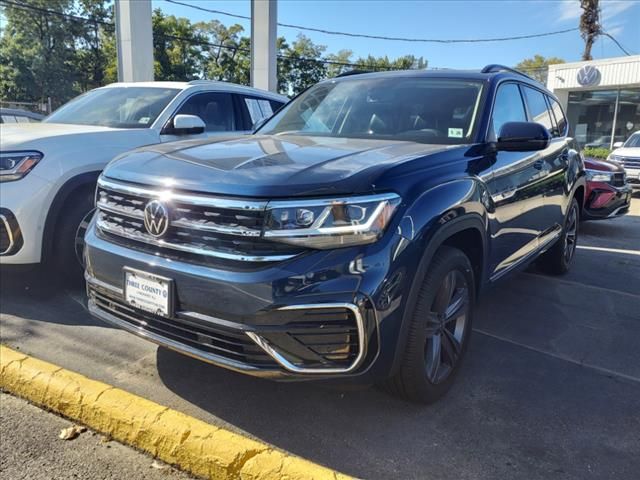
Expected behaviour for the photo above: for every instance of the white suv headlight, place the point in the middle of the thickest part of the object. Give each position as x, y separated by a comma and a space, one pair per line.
15, 165
330, 223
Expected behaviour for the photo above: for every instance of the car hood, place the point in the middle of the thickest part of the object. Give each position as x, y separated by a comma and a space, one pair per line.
40, 136
267, 165
627, 152
602, 165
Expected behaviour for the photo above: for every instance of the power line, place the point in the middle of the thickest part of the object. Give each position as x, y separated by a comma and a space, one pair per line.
193, 41
382, 37
616, 42
110, 25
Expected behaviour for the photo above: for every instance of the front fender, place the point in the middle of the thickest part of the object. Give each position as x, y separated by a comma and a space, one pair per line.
437, 215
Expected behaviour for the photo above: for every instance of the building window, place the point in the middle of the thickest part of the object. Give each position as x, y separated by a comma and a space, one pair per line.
592, 115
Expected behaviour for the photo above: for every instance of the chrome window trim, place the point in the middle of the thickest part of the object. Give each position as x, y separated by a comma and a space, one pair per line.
5, 222
194, 250
271, 350
188, 198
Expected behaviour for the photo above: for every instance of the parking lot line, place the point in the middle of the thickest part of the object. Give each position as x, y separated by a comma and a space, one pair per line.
609, 250
598, 288
605, 371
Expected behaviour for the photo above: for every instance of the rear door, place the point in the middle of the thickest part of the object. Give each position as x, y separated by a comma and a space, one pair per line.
553, 161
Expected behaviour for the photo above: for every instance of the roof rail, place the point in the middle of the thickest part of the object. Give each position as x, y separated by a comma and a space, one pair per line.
496, 67
200, 82
353, 72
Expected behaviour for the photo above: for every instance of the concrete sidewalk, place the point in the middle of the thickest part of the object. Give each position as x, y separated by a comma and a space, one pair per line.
32, 450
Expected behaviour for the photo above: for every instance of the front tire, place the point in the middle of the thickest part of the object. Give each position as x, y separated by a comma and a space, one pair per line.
66, 243
439, 331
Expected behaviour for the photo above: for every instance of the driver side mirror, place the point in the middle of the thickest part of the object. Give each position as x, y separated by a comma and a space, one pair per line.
618, 145
187, 125
523, 137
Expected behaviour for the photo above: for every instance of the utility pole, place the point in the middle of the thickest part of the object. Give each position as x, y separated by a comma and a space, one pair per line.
134, 40
590, 26
264, 33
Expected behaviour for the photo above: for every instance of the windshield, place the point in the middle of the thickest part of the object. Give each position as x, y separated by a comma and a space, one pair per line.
118, 107
633, 141
426, 110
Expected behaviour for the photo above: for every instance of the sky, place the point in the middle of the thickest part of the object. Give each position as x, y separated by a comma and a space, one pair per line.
444, 19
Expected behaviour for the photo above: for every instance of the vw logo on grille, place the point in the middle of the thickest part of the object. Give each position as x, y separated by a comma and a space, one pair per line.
156, 218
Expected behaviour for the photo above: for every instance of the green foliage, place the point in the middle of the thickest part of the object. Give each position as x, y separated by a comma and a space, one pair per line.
536, 66
46, 55
601, 153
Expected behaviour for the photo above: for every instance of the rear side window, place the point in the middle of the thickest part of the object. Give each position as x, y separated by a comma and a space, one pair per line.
255, 109
508, 107
538, 109
560, 127
215, 109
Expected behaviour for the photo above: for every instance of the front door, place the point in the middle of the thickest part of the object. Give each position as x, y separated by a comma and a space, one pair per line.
517, 187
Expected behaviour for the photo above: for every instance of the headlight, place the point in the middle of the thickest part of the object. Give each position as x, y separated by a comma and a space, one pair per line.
15, 165
614, 158
598, 176
330, 223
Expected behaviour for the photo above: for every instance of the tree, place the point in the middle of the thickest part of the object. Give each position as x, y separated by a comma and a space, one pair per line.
37, 53
538, 66
589, 25
94, 39
177, 48
301, 64
227, 57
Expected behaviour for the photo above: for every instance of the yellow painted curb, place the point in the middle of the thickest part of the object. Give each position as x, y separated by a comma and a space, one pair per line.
190, 444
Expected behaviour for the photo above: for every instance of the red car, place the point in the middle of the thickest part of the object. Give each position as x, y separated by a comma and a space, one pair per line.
607, 194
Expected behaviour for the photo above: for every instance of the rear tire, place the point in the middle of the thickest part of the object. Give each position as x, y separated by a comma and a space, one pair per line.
557, 260
64, 256
440, 329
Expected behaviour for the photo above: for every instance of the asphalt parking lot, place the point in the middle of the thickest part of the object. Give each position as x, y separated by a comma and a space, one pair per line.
550, 387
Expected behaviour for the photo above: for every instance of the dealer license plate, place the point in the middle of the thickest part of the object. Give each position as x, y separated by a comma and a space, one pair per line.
148, 292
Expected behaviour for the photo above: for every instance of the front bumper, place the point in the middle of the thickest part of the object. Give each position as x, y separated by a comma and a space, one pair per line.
313, 317
633, 177
24, 205
606, 201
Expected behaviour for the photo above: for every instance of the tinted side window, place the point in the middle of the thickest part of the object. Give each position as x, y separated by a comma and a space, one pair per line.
538, 109
215, 110
561, 121
255, 108
508, 106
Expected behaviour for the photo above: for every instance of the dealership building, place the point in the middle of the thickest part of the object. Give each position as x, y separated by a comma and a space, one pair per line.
601, 98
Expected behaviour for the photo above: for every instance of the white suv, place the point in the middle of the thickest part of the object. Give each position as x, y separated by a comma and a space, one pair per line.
628, 155
48, 170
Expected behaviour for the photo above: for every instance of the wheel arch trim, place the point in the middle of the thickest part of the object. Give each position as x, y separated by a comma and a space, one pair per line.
64, 193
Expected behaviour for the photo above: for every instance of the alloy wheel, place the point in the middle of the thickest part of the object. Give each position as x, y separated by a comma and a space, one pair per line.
571, 235
446, 327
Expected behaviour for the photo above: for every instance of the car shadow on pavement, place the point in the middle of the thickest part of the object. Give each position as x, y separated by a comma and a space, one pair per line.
512, 413
38, 295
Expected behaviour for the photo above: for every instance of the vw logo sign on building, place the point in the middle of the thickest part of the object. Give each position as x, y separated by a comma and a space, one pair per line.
588, 76
156, 218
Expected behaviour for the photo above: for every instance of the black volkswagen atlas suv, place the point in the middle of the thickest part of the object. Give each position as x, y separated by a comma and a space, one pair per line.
347, 238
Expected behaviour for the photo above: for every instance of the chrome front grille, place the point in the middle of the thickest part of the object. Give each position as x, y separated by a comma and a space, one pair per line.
630, 162
199, 225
